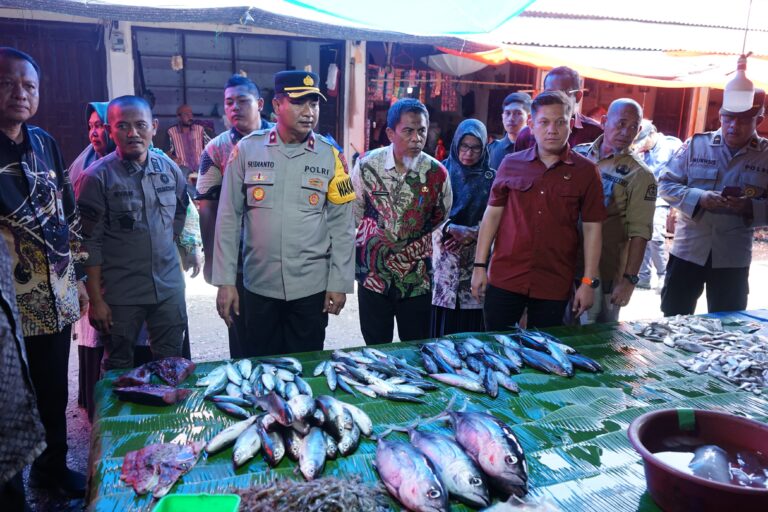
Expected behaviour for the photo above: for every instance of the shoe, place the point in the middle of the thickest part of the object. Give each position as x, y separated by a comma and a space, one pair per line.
643, 285
66, 483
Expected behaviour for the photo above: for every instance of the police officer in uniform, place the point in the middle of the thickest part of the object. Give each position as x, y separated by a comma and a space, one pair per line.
630, 200
133, 204
292, 188
718, 181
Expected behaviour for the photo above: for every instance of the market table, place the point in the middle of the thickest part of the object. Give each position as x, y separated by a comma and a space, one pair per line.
573, 430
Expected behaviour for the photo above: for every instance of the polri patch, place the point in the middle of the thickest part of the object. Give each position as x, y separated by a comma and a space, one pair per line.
314, 198
651, 193
258, 194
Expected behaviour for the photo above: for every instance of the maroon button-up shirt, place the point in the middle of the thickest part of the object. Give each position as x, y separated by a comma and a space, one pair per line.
585, 130
537, 240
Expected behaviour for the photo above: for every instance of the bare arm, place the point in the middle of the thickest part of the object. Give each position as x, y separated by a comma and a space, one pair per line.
99, 312
593, 239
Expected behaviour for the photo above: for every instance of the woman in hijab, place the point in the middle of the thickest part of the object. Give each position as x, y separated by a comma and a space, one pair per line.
453, 307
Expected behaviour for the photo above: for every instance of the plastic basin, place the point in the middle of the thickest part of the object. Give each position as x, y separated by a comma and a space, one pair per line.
674, 490
198, 502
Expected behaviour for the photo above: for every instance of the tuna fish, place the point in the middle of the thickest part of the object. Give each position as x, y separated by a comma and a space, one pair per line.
494, 447
462, 478
543, 362
410, 477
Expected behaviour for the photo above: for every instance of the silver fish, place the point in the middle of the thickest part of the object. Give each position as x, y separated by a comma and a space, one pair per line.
331, 448
312, 454
268, 380
301, 406
711, 462
272, 445
285, 375
459, 381
292, 440
361, 419
217, 385
349, 441
247, 446
277, 408
410, 477
494, 448
561, 357
319, 368
233, 375
330, 376
291, 390
507, 382
242, 402
212, 375
460, 475
304, 388
233, 389
228, 436
337, 419
246, 388
245, 367
233, 410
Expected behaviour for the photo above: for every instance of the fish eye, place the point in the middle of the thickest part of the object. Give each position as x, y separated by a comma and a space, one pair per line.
510, 459
475, 481
433, 494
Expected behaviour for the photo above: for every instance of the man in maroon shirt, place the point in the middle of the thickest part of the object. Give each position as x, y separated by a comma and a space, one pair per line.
532, 215
584, 129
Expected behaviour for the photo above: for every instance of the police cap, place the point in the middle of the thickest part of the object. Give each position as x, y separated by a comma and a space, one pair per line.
296, 84
757, 106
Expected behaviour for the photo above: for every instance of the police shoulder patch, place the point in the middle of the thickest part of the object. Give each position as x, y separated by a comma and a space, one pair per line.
651, 192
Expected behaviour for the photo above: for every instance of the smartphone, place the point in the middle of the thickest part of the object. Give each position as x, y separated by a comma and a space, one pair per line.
732, 192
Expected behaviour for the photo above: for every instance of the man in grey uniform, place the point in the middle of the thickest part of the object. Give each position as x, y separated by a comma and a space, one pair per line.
292, 187
719, 183
133, 203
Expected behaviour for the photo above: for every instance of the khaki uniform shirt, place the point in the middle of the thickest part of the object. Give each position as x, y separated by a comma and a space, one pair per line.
705, 163
299, 232
629, 189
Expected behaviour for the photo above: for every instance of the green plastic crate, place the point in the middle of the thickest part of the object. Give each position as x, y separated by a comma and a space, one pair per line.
198, 502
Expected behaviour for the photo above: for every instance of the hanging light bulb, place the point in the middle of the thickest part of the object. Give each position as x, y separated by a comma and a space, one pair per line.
740, 91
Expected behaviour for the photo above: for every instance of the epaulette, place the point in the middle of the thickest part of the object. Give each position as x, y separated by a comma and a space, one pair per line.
256, 133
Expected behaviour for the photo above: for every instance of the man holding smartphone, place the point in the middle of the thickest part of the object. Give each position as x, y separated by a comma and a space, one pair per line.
719, 183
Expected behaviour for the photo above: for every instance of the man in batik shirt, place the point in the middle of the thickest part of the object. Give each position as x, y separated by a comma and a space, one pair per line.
402, 196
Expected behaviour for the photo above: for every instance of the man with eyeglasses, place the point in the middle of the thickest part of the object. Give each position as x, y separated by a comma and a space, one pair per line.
718, 181
514, 115
585, 129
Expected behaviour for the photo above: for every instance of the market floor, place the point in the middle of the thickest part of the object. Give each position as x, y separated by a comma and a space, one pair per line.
209, 342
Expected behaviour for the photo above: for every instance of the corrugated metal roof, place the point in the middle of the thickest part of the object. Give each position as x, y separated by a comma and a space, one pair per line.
238, 15
656, 25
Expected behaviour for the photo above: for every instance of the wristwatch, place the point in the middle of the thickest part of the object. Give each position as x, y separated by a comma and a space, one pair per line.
632, 278
592, 283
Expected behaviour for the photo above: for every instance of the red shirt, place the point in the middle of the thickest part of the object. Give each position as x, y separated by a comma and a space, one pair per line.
585, 129
535, 248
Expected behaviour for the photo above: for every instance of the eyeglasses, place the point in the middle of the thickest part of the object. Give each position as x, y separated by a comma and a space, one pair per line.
571, 92
464, 148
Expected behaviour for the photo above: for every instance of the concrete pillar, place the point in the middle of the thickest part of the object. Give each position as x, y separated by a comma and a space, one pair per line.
120, 64
354, 100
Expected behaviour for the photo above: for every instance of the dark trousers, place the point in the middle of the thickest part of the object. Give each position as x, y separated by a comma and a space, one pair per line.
48, 357
727, 288
276, 326
237, 333
12, 495
452, 321
166, 324
502, 310
378, 313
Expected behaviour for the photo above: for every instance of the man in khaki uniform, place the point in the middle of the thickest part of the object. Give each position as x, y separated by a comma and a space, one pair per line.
292, 188
630, 196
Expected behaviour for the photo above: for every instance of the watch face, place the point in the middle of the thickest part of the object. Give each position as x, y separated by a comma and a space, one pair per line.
632, 279
595, 283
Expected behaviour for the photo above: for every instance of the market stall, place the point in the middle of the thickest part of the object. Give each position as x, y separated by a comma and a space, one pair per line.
573, 429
